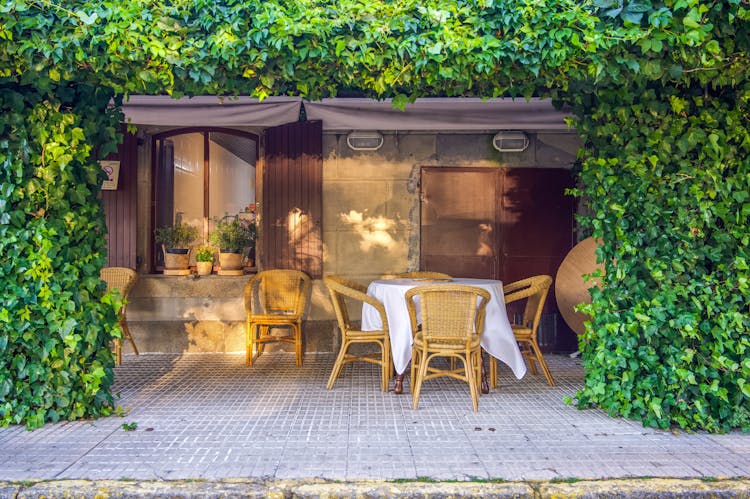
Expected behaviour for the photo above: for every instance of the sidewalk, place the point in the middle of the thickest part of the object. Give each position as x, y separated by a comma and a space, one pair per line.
209, 417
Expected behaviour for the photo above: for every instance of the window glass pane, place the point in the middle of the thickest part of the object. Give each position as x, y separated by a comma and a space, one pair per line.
188, 178
232, 170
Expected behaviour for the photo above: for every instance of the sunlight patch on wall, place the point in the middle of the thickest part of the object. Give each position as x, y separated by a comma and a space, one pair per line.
374, 231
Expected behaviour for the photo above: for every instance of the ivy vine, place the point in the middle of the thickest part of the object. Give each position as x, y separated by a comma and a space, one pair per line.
660, 93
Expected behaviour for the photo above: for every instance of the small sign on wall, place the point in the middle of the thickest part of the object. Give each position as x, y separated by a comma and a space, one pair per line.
112, 169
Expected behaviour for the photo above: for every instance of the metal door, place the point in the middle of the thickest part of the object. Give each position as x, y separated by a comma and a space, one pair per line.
505, 224
459, 221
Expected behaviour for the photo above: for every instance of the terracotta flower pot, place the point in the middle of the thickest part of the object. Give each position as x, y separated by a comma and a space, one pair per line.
204, 268
230, 260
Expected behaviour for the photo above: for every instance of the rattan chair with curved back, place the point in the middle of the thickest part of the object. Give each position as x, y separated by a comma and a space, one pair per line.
534, 290
343, 293
452, 321
422, 274
275, 299
121, 279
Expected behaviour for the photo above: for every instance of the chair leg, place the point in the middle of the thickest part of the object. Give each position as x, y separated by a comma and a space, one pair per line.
413, 368
298, 342
417, 389
385, 365
542, 363
470, 367
263, 331
493, 371
338, 365
118, 352
529, 356
126, 334
249, 342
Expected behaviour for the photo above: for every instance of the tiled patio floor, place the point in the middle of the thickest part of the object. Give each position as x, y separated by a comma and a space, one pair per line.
209, 416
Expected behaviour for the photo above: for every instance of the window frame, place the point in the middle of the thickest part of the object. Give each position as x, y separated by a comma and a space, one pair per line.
157, 141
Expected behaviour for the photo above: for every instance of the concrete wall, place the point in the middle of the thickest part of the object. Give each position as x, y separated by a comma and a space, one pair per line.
370, 228
188, 314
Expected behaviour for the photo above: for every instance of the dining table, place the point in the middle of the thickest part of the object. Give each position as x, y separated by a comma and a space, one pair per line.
497, 338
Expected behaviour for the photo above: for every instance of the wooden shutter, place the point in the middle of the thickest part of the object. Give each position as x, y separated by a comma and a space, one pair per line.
120, 206
292, 208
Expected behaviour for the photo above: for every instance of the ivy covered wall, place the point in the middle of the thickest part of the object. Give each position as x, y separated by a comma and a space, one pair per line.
660, 89
55, 324
668, 178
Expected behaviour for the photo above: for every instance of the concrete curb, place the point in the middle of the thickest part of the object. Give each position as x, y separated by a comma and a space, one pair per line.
646, 488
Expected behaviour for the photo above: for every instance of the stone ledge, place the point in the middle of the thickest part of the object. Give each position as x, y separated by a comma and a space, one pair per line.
317, 488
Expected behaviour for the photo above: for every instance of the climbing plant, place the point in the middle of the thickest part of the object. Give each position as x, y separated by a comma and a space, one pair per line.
670, 186
55, 323
666, 173
660, 93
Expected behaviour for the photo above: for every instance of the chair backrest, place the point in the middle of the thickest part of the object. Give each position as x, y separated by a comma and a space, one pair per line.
119, 278
340, 289
448, 311
277, 291
422, 274
535, 290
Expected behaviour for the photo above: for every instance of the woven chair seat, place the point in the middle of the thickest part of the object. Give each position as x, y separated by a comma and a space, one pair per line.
458, 344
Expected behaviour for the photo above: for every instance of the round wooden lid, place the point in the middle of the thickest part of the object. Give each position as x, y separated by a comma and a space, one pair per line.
570, 288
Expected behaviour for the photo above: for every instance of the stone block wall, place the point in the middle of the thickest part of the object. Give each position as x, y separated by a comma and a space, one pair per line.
171, 314
371, 198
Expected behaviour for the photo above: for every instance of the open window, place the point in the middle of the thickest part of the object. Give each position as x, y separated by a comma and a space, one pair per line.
203, 174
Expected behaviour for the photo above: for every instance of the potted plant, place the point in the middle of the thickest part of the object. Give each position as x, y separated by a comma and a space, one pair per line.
175, 240
204, 259
232, 235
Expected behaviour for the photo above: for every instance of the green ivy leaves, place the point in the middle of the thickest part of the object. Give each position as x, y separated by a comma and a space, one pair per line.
55, 323
660, 90
668, 342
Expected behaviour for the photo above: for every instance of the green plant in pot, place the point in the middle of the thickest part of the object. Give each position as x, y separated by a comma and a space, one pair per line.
232, 235
204, 259
175, 240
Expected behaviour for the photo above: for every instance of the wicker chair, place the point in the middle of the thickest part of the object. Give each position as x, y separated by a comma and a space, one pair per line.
342, 289
452, 322
534, 290
275, 299
422, 274
121, 279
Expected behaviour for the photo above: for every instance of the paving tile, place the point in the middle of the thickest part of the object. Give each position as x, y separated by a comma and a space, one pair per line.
209, 416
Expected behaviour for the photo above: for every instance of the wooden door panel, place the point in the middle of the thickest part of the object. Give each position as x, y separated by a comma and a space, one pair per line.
505, 224
536, 215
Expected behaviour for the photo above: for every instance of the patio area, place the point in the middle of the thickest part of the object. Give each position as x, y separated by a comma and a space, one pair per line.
208, 416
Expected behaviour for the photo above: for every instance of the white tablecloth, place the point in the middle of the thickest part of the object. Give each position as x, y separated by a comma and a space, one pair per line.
497, 338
